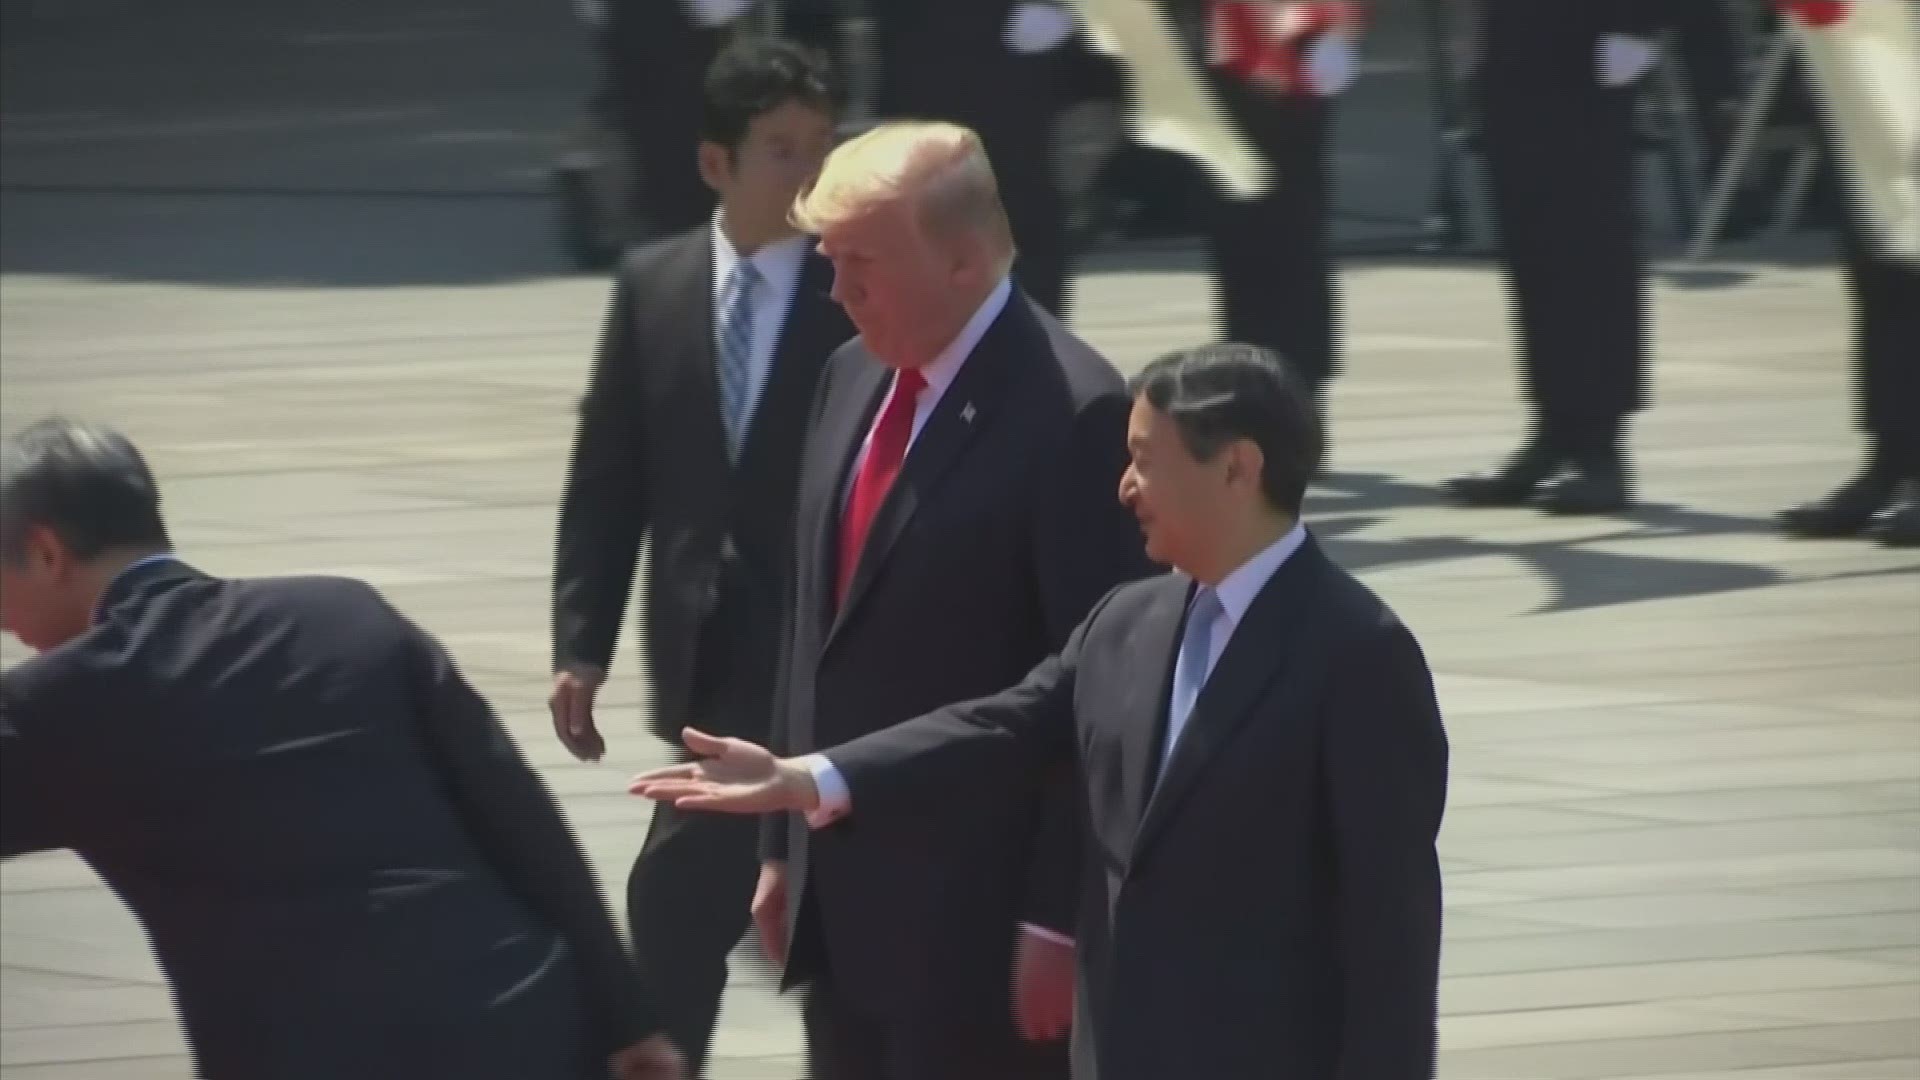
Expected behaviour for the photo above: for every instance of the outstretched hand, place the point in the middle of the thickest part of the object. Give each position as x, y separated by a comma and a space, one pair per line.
732, 776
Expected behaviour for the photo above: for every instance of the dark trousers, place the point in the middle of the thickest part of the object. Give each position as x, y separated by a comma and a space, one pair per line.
1886, 349
842, 1044
1560, 162
687, 907
1272, 257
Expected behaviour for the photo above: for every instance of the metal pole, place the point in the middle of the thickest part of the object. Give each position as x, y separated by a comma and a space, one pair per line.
1746, 138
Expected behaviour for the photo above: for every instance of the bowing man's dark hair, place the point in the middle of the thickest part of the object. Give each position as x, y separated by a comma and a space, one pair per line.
1221, 393
755, 75
87, 484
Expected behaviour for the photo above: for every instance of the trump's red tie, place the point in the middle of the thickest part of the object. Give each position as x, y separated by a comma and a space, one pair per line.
886, 449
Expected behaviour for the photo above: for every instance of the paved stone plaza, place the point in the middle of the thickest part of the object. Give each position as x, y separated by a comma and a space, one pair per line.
1684, 832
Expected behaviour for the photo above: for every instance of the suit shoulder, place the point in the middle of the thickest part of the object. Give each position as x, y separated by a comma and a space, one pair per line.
1089, 377
1125, 603
645, 262
1353, 613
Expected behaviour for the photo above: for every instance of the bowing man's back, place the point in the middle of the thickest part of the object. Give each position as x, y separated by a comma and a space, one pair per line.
345, 867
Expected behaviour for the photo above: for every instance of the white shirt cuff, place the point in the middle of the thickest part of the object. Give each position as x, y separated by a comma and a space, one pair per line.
1045, 934
835, 799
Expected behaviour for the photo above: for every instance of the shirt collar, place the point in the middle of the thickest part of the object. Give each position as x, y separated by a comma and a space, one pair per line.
776, 262
127, 572
942, 370
1238, 590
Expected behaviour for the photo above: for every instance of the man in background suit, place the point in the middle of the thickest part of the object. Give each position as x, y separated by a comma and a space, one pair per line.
1556, 88
689, 435
953, 525
1263, 761
343, 863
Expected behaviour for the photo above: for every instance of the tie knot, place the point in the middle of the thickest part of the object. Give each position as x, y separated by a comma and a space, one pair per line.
1206, 605
745, 277
908, 382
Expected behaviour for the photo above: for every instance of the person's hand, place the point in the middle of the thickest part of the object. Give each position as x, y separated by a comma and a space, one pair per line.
770, 912
1037, 28
1620, 59
709, 14
1042, 987
733, 776
572, 706
652, 1058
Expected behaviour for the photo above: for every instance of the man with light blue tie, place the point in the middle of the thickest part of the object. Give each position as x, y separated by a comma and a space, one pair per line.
1261, 753
689, 437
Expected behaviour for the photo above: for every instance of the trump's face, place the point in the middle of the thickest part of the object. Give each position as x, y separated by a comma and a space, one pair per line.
906, 292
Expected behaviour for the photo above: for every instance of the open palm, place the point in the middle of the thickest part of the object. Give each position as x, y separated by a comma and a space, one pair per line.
732, 775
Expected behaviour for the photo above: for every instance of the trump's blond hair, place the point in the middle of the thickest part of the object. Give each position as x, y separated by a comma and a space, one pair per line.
940, 169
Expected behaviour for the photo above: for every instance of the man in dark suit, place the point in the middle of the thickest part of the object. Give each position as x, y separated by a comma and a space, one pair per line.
690, 435
344, 865
1556, 86
992, 66
953, 525
1262, 757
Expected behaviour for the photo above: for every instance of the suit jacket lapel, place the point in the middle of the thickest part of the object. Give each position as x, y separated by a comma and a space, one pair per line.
1152, 658
790, 374
963, 412
1264, 646
848, 417
695, 358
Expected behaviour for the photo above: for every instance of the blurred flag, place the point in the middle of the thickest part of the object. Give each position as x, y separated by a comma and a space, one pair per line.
1863, 60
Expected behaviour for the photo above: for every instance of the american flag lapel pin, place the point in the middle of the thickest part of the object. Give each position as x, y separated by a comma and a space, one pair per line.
966, 412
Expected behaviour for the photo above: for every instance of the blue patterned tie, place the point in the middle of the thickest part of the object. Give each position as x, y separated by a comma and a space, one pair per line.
1190, 671
736, 351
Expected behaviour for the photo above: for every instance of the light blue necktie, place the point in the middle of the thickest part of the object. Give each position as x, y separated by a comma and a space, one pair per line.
1190, 670
736, 351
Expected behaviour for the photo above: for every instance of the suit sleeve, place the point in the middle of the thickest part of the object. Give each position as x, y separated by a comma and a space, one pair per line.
1385, 767
895, 771
1085, 543
603, 507
517, 825
31, 772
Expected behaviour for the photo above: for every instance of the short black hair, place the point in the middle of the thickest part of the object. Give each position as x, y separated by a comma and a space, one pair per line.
754, 75
86, 483
1217, 394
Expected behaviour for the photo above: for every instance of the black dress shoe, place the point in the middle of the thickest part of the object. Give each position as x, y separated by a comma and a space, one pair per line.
1513, 483
1592, 484
1899, 526
1844, 512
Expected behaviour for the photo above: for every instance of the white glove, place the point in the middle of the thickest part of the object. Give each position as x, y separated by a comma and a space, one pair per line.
1623, 59
711, 13
1332, 64
1036, 27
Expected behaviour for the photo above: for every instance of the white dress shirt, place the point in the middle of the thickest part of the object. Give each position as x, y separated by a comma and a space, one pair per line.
1236, 592
779, 265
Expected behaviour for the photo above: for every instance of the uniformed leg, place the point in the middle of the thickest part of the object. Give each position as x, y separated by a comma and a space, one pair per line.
1561, 177
1272, 262
1885, 297
687, 907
